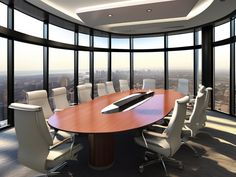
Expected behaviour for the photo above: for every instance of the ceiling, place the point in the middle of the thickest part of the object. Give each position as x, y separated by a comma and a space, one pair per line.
138, 16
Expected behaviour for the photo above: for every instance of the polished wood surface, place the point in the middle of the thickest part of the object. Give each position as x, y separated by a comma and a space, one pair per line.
87, 117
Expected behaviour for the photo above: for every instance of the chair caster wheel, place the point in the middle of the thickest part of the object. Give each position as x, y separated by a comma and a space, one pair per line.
141, 169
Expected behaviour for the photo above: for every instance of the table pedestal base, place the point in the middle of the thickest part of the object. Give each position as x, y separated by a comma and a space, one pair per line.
101, 147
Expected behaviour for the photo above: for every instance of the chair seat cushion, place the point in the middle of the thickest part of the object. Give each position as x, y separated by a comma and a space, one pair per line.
61, 153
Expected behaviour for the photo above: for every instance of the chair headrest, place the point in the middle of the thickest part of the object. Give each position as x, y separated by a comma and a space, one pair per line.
25, 107
59, 91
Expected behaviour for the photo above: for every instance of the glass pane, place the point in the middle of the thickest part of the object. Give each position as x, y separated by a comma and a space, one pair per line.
222, 31
181, 67
84, 67
199, 66
180, 40
3, 83
222, 82
149, 42
149, 66
120, 68
100, 69
199, 37
61, 35
84, 39
28, 25
101, 42
61, 71
3, 15
119, 43
28, 69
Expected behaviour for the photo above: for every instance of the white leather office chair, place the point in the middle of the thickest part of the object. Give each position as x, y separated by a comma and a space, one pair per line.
110, 87
202, 122
183, 86
149, 84
60, 99
192, 125
84, 93
36, 149
124, 86
89, 86
101, 89
40, 98
165, 144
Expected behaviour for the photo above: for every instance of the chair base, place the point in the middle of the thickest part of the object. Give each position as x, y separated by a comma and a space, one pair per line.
151, 158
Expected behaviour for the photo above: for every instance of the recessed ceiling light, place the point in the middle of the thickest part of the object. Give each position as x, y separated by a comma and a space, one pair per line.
148, 10
109, 15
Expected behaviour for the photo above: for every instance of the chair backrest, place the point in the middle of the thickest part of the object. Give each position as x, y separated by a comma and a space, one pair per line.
174, 128
101, 89
206, 102
89, 87
183, 86
110, 87
32, 134
124, 86
197, 114
60, 98
84, 93
40, 98
149, 84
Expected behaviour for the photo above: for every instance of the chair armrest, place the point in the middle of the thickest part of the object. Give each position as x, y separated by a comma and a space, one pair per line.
66, 140
58, 110
73, 104
154, 134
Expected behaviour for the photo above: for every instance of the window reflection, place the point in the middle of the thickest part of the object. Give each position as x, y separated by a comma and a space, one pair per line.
149, 66
28, 69
3, 83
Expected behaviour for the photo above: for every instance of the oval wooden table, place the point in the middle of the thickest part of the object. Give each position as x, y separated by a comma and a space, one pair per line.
87, 118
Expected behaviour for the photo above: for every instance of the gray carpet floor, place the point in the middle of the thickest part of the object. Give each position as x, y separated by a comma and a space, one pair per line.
216, 144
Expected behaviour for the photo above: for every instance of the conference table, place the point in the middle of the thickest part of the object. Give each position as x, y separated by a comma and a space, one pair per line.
87, 118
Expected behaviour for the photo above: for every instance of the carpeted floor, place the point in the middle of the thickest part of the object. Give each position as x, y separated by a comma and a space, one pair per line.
216, 144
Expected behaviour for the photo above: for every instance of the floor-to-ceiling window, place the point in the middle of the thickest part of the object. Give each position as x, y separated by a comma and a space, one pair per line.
61, 71
3, 15
222, 69
180, 62
120, 68
28, 67
148, 65
3, 83
100, 69
120, 61
84, 67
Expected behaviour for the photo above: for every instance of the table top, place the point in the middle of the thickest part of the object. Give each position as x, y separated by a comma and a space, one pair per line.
87, 117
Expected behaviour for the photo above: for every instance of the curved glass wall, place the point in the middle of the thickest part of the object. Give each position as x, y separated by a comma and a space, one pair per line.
60, 67
3, 83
